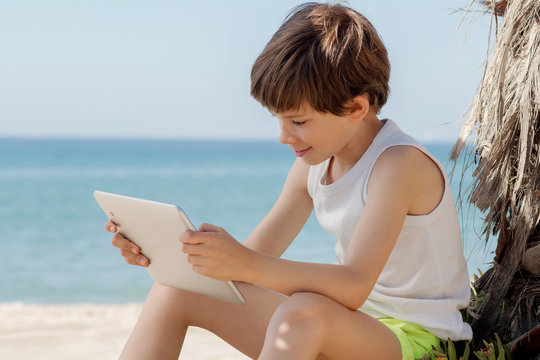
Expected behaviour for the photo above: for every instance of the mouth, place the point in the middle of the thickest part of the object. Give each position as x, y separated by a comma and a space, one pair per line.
303, 152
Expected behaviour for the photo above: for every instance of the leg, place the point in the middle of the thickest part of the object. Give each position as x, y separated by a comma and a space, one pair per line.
312, 326
167, 313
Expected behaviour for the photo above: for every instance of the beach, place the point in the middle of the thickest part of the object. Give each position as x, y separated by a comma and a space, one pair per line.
87, 332
67, 293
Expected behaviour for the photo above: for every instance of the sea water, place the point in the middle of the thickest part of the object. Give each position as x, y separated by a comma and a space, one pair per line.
53, 246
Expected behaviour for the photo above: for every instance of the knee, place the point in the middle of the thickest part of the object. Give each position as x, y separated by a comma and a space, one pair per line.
171, 302
303, 311
166, 295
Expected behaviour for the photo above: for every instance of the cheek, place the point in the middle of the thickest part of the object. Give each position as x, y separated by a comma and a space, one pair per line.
323, 139
313, 135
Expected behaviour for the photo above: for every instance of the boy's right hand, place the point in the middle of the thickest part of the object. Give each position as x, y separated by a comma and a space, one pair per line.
131, 252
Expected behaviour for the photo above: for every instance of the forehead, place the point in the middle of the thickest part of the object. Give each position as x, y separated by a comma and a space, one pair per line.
302, 111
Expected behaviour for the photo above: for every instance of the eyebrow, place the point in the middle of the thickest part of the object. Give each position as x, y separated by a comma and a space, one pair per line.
295, 116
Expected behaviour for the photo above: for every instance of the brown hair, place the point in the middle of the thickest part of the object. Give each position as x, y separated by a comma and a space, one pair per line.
323, 55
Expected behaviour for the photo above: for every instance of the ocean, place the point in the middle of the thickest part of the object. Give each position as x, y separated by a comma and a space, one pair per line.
53, 246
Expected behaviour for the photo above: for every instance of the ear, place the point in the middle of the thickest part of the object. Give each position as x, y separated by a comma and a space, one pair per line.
358, 107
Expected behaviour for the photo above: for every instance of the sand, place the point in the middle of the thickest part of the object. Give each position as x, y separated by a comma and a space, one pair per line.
87, 331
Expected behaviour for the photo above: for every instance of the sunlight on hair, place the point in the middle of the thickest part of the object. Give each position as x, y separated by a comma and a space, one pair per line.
323, 55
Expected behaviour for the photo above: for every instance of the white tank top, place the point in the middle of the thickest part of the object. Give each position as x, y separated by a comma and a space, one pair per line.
425, 279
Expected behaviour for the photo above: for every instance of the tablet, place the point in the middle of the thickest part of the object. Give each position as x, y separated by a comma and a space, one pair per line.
156, 227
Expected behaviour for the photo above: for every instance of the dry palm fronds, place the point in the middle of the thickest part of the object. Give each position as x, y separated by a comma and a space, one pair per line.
499, 7
504, 117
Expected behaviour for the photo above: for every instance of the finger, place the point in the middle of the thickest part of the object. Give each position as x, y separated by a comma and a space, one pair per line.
195, 259
110, 226
196, 268
191, 249
143, 261
121, 242
203, 270
191, 237
132, 259
205, 227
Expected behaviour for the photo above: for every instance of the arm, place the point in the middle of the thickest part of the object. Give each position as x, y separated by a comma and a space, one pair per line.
349, 284
280, 226
273, 234
373, 240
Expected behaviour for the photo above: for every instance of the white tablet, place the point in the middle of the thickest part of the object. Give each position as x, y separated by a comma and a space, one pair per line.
156, 227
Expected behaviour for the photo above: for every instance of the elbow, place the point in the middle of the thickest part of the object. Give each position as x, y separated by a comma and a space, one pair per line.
355, 302
358, 292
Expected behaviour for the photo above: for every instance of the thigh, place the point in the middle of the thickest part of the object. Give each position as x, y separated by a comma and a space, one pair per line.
242, 326
349, 334
355, 335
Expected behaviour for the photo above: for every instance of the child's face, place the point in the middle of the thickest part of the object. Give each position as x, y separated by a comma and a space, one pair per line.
315, 136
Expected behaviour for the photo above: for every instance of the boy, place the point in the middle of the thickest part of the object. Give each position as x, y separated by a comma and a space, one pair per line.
400, 277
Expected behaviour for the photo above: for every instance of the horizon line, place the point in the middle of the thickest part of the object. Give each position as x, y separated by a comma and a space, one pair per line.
428, 140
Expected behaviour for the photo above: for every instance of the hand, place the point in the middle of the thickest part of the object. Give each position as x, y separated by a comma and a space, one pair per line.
131, 252
215, 253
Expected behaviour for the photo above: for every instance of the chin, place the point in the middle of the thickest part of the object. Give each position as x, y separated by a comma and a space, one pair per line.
312, 162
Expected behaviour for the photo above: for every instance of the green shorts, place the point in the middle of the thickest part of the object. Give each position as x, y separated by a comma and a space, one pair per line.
415, 341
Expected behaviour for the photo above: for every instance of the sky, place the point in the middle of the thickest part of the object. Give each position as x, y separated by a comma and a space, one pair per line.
181, 69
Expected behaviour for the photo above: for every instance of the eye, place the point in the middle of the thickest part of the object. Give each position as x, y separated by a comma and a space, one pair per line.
298, 123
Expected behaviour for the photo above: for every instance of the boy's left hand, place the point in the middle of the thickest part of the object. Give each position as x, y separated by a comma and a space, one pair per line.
215, 253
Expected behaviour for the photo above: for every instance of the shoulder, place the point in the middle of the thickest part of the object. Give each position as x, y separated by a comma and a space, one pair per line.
405, 168
398, 159
298, 175
300, 168
409, 173
407, 159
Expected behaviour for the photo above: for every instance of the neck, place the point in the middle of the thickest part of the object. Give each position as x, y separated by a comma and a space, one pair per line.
361, 139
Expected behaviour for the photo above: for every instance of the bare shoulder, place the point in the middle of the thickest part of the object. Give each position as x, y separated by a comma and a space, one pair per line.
399, 159
412, 171
298, 175
408, 159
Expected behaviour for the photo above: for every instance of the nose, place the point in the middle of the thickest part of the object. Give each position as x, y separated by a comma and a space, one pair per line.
285, 137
